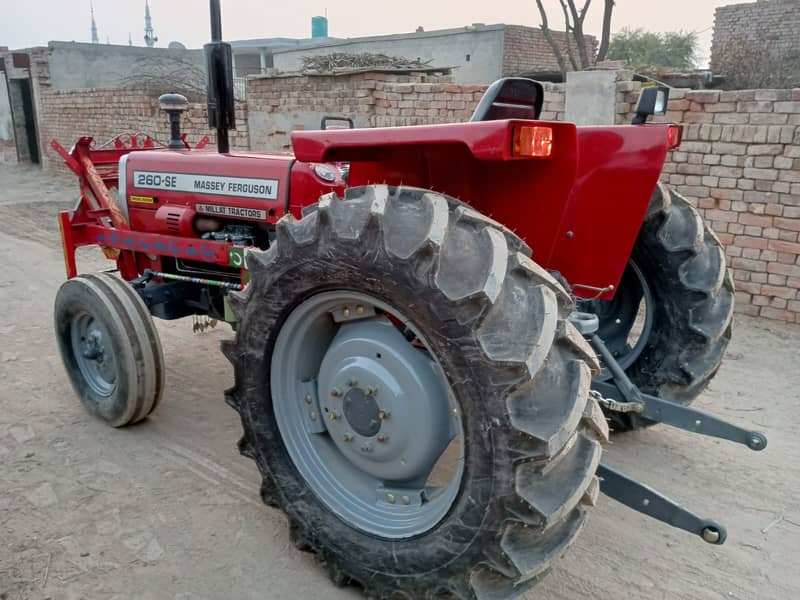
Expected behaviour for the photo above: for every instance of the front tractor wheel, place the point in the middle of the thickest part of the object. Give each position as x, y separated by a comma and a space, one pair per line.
110, 348
414, 398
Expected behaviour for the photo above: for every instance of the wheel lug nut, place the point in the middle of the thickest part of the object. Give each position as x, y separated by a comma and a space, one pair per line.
347, 438
336, 392
345, 312
382, 439
359, 310
371, 391
352, 382
309, 399
406, 500
333, 416
384, 414
391, 498
312, 415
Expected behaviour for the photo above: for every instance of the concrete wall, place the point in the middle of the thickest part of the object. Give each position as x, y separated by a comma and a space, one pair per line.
81, 66
591, 97
26, 69
476, 51
8, 147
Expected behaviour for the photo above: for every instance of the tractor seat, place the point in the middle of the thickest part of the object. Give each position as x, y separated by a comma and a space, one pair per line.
510, 98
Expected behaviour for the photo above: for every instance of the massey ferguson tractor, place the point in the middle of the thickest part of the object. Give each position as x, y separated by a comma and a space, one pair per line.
434, 325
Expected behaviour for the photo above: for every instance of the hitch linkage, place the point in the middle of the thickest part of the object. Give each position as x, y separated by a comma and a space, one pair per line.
620, 394
623, 395
646, 500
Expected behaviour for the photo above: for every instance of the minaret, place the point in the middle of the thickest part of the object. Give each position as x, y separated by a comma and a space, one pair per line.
95, 39
149, 38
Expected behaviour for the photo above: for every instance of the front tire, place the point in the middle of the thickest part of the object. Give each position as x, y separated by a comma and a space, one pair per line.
110, 348
517, 371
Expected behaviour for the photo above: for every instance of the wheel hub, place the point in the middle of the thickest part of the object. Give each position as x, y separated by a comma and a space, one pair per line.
98, 367
392, 420
362, 412
626, 321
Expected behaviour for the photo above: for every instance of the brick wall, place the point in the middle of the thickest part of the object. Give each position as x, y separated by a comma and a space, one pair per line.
526, 50
104, 113
66, 115
279, 105
739, 163
754, 40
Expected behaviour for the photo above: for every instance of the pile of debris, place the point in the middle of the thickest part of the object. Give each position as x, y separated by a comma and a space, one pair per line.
340, 62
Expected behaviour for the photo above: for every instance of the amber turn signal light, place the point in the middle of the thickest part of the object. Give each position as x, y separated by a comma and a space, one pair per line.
532, 140
674, 136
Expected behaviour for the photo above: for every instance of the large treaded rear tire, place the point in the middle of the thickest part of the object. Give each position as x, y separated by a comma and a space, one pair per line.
520, 372
683, 263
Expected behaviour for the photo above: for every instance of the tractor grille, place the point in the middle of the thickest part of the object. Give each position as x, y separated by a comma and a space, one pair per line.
174, 222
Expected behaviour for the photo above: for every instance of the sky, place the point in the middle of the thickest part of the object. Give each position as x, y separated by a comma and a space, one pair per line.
35, 22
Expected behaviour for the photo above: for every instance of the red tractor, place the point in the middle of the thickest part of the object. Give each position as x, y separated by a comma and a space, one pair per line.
419, 314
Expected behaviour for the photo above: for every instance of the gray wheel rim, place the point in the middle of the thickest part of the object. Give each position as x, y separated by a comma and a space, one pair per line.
93, 356
366, 415
618, 318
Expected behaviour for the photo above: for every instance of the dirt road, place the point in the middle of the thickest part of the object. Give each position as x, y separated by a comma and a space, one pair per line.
168, 509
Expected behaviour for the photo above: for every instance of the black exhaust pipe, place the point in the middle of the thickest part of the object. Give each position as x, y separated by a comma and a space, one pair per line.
219, 63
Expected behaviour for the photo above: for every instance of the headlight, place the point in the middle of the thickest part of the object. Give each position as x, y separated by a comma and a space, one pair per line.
325, 173
122, 186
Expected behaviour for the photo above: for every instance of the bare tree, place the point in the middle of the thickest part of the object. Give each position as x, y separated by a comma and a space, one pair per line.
574, 18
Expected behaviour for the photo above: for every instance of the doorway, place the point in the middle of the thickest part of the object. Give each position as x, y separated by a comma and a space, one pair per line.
24, 118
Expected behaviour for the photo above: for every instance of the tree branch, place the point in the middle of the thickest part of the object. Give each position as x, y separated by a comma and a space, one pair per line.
568, 28
577, 32
605, 38
584, 10
548, 35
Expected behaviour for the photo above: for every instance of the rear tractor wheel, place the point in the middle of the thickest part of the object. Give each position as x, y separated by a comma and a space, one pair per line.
110, 348
670, 321
414, 398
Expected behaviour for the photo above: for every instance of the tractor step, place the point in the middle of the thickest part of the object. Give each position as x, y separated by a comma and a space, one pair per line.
646, 500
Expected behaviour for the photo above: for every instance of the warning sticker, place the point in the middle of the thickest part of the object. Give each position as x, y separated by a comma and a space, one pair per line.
240, 187
237, 212
142, 199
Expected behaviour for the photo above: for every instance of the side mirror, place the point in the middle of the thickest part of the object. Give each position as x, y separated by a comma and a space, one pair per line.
348, 123
652, 101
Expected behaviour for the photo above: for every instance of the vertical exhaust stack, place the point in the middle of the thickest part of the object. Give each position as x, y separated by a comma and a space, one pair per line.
219, 63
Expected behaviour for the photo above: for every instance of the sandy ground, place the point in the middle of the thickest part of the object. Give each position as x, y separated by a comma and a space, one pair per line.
168, 509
